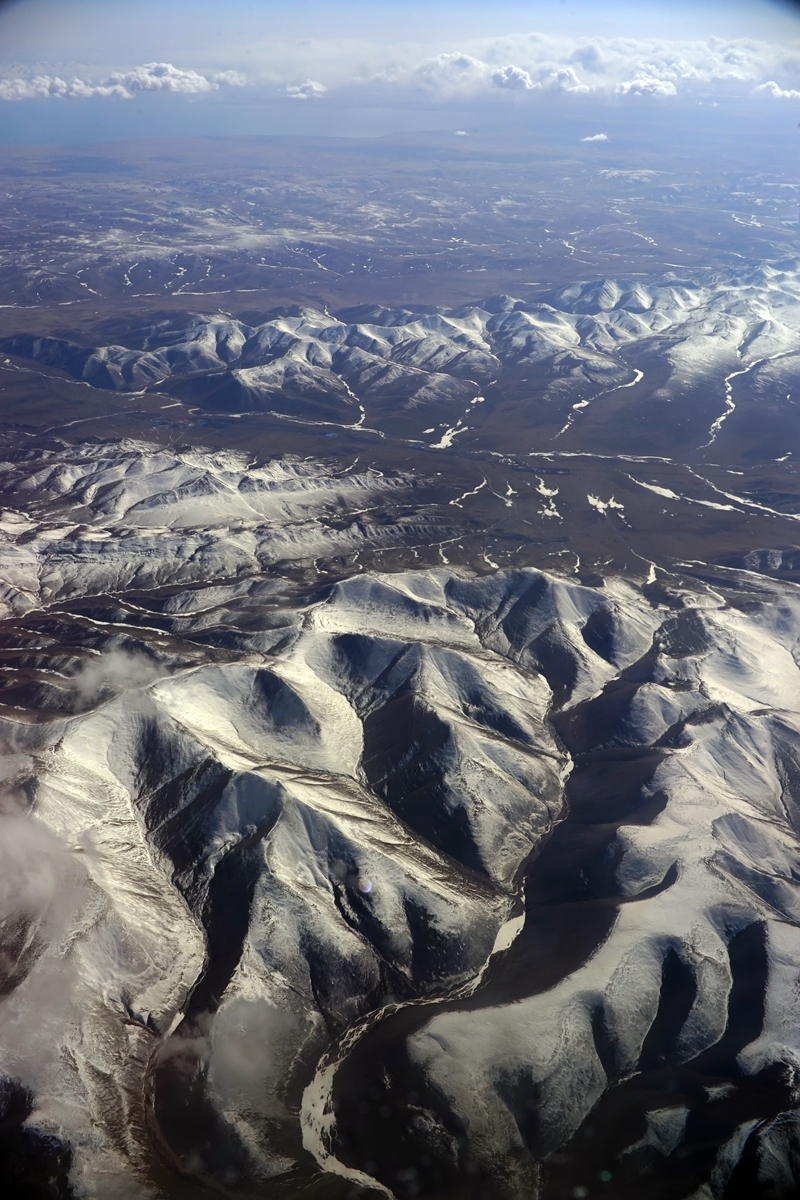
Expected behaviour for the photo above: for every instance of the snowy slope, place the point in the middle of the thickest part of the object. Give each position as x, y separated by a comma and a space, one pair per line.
551, 831
686, 995
114, 517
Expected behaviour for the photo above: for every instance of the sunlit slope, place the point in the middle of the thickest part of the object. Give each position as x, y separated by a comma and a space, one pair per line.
260, 816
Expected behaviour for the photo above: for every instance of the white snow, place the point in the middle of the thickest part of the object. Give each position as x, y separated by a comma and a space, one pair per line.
283, 744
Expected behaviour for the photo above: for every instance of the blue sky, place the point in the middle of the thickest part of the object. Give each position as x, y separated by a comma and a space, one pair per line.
75, 70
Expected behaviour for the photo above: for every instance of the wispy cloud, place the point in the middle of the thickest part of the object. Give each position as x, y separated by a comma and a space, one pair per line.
114, 671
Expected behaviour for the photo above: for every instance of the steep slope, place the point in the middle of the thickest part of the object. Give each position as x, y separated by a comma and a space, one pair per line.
649, 1003
413, 880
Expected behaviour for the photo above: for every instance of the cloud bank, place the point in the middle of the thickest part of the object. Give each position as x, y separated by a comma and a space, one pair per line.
619, 67
519, 67
121, 85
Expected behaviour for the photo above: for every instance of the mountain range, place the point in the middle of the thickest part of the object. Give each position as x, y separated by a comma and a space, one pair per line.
307, 363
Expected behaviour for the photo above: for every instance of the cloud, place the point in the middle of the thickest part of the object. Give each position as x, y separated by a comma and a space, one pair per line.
449, 73
252, 1045
612, 67
48, 905
310, 90
589, 56
116, 671
43, 885
647, 85
37, 872
454, 74
564, 79
245, 1049
519, 67
122, 85
771, 88
229, 79
596, 137
513, 78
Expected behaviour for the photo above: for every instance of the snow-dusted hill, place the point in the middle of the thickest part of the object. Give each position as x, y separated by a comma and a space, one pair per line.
310, 361
417, 878
99, 518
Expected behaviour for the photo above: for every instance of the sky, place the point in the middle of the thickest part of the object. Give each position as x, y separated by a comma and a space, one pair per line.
96, 70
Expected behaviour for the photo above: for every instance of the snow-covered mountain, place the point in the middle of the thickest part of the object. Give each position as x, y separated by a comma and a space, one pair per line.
301, 359
643, 1026
413, 879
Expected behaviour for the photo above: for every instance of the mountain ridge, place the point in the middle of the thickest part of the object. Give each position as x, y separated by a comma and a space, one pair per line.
326, 365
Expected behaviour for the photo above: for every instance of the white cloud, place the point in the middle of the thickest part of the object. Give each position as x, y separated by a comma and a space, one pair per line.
618, 66
310, 90
117, 670
454, 74
564, 79
589, 56
771, 88
596, 137
647, 85
517, 66
37, 871
229, 78
122, 85
250, 1048
602, 66
43, 887
513, 78
449, 73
